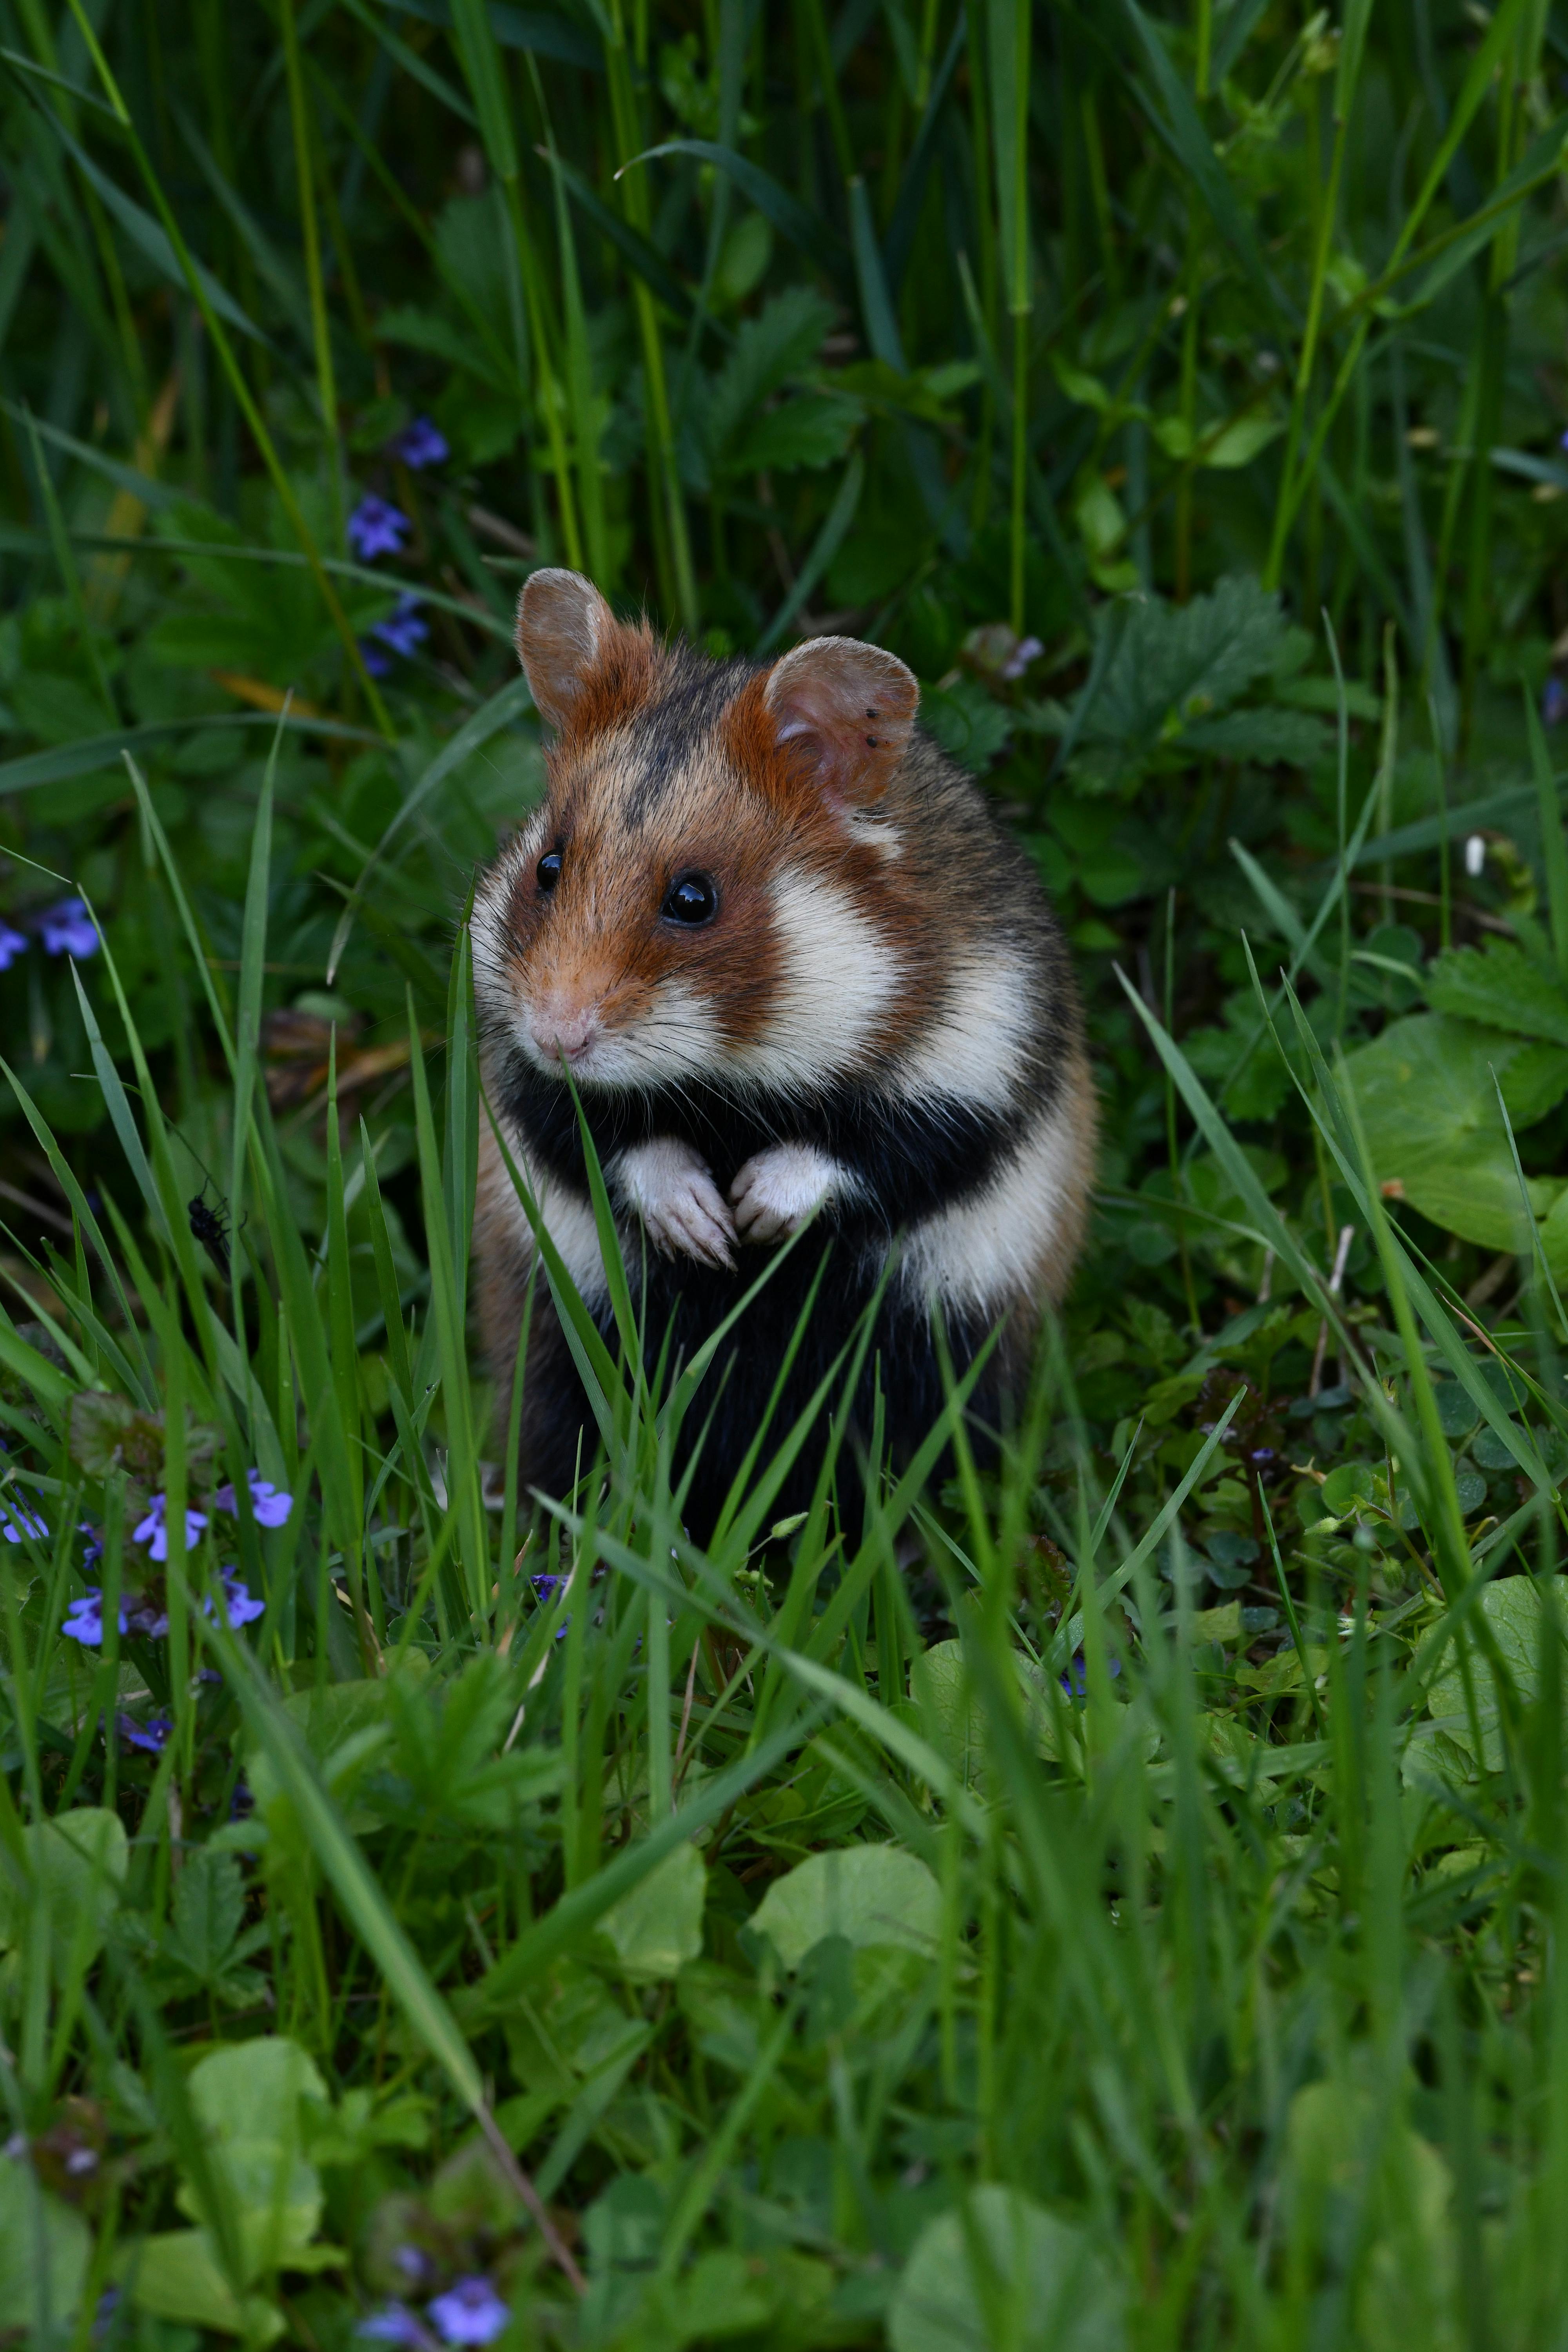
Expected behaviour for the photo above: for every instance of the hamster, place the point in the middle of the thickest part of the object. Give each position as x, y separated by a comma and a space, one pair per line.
798, 970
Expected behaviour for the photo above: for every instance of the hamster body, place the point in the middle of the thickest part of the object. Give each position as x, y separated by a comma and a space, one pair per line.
798, 970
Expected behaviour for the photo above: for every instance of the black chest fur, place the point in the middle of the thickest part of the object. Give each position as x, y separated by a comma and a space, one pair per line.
803, 1326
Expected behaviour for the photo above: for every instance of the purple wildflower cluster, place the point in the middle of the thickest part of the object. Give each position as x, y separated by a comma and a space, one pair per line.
67, 930
377, 527
472, 2312
142, 1613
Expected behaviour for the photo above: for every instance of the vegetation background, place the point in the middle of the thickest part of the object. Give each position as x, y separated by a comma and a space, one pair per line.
1116, 1901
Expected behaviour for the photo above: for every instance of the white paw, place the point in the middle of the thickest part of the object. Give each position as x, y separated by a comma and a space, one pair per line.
683, 1210
778, 1190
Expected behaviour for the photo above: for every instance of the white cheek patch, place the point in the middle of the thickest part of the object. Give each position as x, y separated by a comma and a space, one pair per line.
986, 1253
838, 979
979, 1046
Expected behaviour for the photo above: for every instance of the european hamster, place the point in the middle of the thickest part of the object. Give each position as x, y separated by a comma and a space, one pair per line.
797, 969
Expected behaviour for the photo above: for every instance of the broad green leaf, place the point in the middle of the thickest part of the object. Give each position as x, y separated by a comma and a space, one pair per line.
657, 1927
1424, 1091
1498, 984
78, 1863
37, 2299
999, 2270
174, 2274
1516, 1607
867, 1893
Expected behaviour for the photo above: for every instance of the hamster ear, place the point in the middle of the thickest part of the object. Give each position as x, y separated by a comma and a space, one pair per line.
849, 707
564, 629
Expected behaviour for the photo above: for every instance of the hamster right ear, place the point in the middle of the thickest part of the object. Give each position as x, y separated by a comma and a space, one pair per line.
568, 640
849, 709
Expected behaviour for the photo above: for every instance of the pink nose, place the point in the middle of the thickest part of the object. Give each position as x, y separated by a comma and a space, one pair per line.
560, 1029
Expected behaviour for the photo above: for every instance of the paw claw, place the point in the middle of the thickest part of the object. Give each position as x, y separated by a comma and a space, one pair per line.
779, 1190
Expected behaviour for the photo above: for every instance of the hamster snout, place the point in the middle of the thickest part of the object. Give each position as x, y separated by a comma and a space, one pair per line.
563, 1020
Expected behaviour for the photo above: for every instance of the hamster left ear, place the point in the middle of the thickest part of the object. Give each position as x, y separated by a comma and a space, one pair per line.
849, 707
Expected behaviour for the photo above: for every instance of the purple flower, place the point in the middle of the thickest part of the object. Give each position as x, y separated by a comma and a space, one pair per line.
154, 1530
83, 1619
269, 1505
92, 1550
469, 2313
1027, 650
69, 929
145, 1617
377, 527
1555, 702
151, 1736
419, 445
415, 2264
1075, 1682
396, 2323
240, 1606
12, 945
16, 1523
403, 629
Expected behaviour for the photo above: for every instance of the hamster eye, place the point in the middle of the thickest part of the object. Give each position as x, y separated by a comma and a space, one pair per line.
547, 871
691, 898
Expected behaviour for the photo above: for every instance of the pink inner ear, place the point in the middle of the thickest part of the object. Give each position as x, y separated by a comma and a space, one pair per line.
849, 707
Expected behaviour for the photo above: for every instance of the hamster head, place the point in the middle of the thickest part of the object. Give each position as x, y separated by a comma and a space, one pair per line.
709, 891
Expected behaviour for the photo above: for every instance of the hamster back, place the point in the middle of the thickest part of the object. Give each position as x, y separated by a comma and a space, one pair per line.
798, 974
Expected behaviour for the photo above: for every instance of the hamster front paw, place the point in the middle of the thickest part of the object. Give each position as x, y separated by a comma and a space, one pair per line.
683, 1210
778, 1190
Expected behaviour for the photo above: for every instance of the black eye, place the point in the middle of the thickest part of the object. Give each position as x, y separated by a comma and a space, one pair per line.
548, 870
691, 898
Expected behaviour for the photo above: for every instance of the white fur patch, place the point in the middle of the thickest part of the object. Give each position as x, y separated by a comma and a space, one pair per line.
779, 1189
985, 1253
838, 978
669, 1185
568, 1220
675, 1037
978, 1048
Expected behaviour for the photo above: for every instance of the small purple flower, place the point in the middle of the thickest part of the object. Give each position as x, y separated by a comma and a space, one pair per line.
16, 1523
469, 2313
419, 445
145, 1617
83, 1619
403, 629
269, 1505
1075, 1682
12, 945
151, 1736
396, 2323
69, 929
1555, 702
415, 2265
377, 527
92, 1549
154, 1530
240, 1607
1027, 650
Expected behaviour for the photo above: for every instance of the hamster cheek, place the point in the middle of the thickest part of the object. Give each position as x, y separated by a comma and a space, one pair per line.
778, 1190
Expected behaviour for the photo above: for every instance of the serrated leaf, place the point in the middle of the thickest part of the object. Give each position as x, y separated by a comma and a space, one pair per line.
813, 431
780, 341
1176, 666
106, 1433
1498, 984
1269, 735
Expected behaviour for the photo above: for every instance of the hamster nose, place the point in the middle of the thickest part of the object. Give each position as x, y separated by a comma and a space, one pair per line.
563, 1029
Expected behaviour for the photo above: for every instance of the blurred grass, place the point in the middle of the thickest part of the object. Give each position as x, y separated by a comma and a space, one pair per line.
1115, 1899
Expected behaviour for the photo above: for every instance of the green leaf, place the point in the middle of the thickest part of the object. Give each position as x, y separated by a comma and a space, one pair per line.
174, 2274
657, 1927
1498, 984
1518, 1609
1176, 667
1423, 1091
867, 1893
77, 1862
38, 2299
999, 2269
812, 431
809, 232
971, 725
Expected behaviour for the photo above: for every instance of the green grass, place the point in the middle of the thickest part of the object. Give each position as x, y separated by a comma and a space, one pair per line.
1112, 1898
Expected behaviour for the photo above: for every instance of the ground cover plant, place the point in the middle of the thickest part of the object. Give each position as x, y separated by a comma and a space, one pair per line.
1111, 1896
